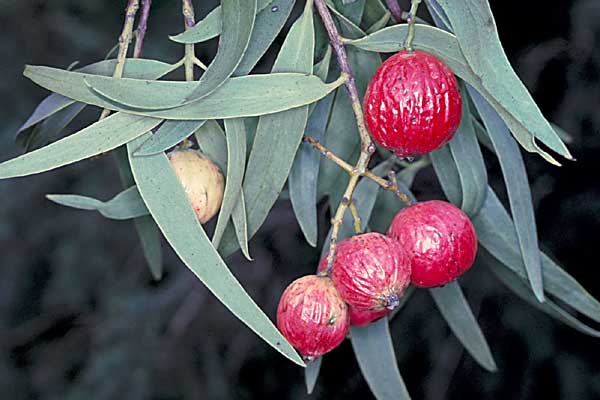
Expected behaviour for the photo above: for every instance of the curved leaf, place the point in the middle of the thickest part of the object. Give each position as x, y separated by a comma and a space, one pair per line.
239, 97
211, 26
374, 352
519, 192
168, 135
447, 173
97, 138
456, 311
353, 11
127, 204
167, 202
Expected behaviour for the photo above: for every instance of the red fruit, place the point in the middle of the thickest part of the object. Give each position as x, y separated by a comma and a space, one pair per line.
439, 239
371, 272
413, 104
365, 317
312, 316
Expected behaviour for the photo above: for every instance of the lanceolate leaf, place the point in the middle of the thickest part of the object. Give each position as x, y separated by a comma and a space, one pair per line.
474, 25
469, 162
238, 97
374, 352
267, 26
97, 138
374, 11
353, 12
519, 193
168, 135
236, 163
456, 311
233, 42
127, 204
447, 173
211, 26
167, 202
497, 234
311, 374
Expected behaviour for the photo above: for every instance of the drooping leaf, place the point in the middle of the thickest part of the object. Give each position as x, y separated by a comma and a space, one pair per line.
97, 138
519, 192
311, 374
236, 163
473, 23
127, 204
456, 311
168, 204
239, 97
168, 135
211, 26
267, 26
496, 233
374, 352
233, 42
304, 174
447, 173
469, 163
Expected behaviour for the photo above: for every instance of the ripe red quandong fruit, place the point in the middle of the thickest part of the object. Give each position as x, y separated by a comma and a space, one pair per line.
371, 272
202, 181
413, 104
440, 241
312, 316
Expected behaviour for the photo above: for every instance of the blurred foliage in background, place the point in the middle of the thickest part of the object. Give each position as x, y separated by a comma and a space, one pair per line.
81, 318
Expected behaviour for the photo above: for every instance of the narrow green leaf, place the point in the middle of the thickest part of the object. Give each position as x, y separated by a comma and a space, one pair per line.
239, 97
496, 232
233, 42
438, 15
447, 173
211, 26
518, 287
97, 138
321, 69
168, 135
267, 26
374, 352
456, 311
127, 204
380, 23
519, 192
469, 163
240, 224
236, 163
168, 204
353, 12
475, 28
346, 23
311, 374
304, 175
374, 11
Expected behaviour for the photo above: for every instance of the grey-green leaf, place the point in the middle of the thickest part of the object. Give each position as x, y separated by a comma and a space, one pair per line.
238, 97
311, 374
517, 186
374, 352
353, 11
447, 173
168, 204
127, 204
168, 135
456, 311
211, 26
97, 138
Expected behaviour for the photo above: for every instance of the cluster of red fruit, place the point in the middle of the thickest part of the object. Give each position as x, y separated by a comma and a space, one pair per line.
412, 106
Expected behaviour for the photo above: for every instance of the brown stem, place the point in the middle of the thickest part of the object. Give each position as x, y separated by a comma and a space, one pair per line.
142, 27
395, 9
190, 56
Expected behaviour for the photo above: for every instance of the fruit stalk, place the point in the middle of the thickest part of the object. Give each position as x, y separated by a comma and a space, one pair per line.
395, 9
411, 19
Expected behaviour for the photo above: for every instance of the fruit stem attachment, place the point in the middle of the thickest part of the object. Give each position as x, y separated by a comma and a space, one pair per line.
190, 56
395, 9
124, 40
411, 19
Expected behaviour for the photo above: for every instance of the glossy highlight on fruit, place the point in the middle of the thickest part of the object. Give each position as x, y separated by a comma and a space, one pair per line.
202, 181
312, 316
439, 239
413, 104
371, 272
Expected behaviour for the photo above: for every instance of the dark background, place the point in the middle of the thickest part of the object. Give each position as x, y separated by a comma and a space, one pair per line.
81, 318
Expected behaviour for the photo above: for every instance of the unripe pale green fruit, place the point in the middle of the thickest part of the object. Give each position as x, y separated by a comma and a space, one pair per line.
202, 180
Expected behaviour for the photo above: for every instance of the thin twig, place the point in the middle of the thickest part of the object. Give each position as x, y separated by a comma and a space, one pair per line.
142, 27
395, 9
124, 40
190, 56
356, 217
411, 19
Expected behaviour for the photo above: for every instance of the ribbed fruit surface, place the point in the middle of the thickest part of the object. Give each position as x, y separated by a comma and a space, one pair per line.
413, 104
440, 241
371, 272
312, 316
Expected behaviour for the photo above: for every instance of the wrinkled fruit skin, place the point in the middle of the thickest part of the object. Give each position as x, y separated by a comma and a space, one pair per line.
413, 104
365, 317
312, 316
371, 272
202, 181
440, 241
